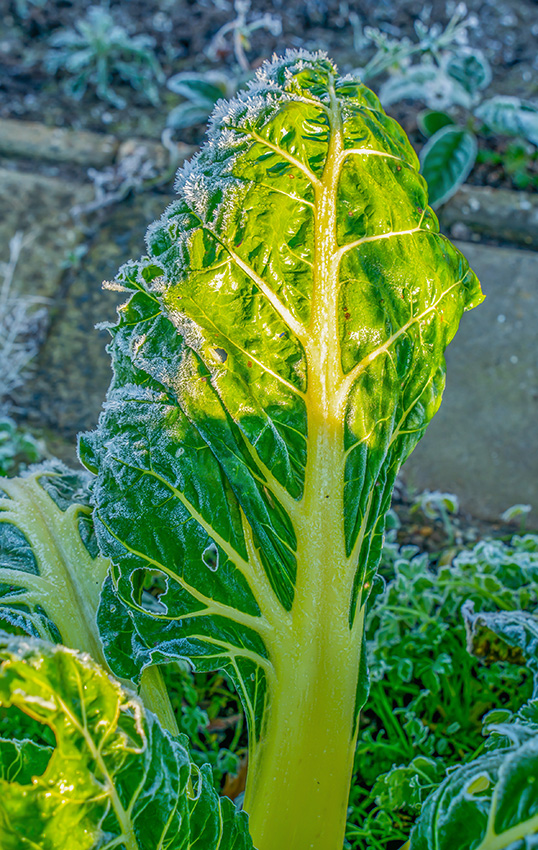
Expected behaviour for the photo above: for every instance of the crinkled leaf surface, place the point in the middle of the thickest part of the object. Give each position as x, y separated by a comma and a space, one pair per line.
505, 635
279, 356
114, 779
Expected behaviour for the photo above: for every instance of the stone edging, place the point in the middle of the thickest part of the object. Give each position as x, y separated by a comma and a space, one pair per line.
500, 213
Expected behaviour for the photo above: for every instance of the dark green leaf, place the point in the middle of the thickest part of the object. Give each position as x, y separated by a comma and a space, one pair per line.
447, 159
430, 121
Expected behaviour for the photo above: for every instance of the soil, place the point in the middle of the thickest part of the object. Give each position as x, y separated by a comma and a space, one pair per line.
182, 31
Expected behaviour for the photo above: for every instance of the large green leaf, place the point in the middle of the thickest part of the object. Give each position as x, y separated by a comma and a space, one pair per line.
114, 779
279, 356
447, 159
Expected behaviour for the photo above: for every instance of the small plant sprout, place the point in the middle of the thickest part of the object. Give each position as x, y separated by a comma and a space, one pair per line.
437, 505
434, 46
98, 51
515, 512
240, 29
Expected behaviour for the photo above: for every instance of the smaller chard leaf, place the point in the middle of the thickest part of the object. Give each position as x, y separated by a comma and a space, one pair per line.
447, 159
427, 83
51, 571
470, 68
20, 761
503, 635
115, 777
492, 802
429, 121
510, 116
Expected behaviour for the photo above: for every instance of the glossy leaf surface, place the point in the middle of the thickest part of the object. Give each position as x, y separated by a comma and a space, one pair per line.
430, 121
114, 779
447, 159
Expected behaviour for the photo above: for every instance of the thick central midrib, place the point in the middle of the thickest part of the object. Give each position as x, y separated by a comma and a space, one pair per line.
320, 523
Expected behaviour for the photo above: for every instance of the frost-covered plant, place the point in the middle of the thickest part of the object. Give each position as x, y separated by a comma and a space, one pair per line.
22, 319
279, 356
450, 75
241, 29
436, 48
200, 93
97, 51
451, 150
23, 7
438, 505
97, 785
18, 447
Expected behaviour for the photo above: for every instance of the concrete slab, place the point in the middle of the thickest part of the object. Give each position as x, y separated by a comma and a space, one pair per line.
39, 206
483, 443
66, 393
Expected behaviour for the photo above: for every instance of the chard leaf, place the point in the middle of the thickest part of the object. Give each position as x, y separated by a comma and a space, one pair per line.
279, 357
489, 804
115, 777
447, 159
511, 116
51, 571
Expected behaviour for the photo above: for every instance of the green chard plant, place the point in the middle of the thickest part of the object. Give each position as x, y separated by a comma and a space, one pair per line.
279, 356
95, 786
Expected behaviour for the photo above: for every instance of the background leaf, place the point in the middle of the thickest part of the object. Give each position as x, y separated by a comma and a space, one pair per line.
429, 121
510, 116
447, 159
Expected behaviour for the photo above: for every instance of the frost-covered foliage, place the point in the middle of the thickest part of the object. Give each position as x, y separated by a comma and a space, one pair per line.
240, 29
449, 77
99, 51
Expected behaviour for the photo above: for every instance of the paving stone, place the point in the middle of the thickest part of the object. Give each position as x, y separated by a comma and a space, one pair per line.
39, 207
483, 443
67, 391
501, 213
58, 144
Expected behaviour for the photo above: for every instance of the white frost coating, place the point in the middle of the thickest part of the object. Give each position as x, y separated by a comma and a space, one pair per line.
196, 192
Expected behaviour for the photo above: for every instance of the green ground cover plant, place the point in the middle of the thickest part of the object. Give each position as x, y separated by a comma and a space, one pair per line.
279, 355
